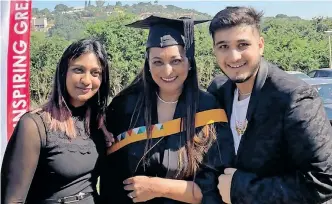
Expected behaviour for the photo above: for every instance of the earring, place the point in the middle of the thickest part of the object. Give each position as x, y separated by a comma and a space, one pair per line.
98, 98
189, 68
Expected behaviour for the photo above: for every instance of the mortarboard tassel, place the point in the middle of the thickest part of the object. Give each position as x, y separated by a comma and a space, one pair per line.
188, 25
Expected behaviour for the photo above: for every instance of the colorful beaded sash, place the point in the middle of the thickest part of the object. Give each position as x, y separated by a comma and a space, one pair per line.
165, 129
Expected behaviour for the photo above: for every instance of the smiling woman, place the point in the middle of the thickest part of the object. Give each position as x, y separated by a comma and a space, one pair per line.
169, 68
54, 153
83, 78
171, 136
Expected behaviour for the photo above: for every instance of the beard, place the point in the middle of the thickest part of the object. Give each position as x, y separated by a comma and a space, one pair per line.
239, 80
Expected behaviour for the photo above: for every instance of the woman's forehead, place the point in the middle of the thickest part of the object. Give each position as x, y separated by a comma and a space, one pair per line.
168, 51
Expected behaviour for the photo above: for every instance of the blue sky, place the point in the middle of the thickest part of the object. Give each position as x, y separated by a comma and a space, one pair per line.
303, 9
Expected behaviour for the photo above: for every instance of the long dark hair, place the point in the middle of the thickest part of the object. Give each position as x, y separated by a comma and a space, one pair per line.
190, 96
56, 109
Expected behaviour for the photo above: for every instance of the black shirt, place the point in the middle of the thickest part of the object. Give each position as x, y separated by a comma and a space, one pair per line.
39, 167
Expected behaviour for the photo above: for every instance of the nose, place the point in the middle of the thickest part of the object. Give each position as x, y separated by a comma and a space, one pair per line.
86, 79
234, 55
168, 69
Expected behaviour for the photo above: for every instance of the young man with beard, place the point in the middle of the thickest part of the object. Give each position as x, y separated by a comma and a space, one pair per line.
282, 137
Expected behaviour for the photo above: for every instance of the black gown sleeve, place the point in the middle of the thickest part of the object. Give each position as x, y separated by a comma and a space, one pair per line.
218, 157
308, 135
110, 184
20, 161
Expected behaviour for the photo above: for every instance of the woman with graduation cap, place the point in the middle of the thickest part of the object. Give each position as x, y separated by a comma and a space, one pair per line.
171, 137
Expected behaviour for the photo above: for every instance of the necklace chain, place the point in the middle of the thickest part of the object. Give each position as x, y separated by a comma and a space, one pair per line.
167, 102
247, 94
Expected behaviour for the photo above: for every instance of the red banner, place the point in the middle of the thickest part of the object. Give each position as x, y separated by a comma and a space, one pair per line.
18, 62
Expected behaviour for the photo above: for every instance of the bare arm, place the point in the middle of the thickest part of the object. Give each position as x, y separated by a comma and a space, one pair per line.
145, 188
184, 191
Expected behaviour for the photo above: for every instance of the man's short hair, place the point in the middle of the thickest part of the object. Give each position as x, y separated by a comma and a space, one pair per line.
235, 16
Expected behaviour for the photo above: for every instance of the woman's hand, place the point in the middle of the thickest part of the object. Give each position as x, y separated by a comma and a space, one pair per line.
142, 188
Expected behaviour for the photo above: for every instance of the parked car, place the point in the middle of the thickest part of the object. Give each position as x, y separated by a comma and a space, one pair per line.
324, 88
298, 74
324, 72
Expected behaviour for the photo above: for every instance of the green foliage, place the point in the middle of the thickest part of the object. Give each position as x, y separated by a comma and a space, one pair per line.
68, 26
291, 42
100, 3
147, 8
205, 60
45, 54
296, 44
42, 13
61, 8
125, 47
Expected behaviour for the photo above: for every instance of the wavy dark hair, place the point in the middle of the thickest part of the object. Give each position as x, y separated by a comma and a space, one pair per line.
144, 85
56, 109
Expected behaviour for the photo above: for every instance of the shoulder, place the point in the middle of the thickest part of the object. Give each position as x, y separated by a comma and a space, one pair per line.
123, 102
217, 83
280, 84
284, 82
207, 101
29, 118
27, 126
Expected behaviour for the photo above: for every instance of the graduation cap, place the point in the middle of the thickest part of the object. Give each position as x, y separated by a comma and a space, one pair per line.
166, 32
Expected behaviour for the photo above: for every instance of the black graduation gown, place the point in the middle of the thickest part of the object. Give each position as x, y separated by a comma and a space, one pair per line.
162, 160
285, 154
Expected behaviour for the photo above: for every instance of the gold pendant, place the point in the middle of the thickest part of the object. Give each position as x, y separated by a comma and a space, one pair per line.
241, 127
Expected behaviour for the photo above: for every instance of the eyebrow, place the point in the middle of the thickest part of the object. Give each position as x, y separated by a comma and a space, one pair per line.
226, 42
76, 66
83, 67
156, 58
175, 56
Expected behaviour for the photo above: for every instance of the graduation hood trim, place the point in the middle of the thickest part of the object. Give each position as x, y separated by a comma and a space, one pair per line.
166, 129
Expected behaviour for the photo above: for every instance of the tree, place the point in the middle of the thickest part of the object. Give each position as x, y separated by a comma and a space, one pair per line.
60, 8
207, 68
291, 42
118, 3
35, 11
125, 47
45, 53
45, 12
281, 16
67, 26
294, 44
100, 3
